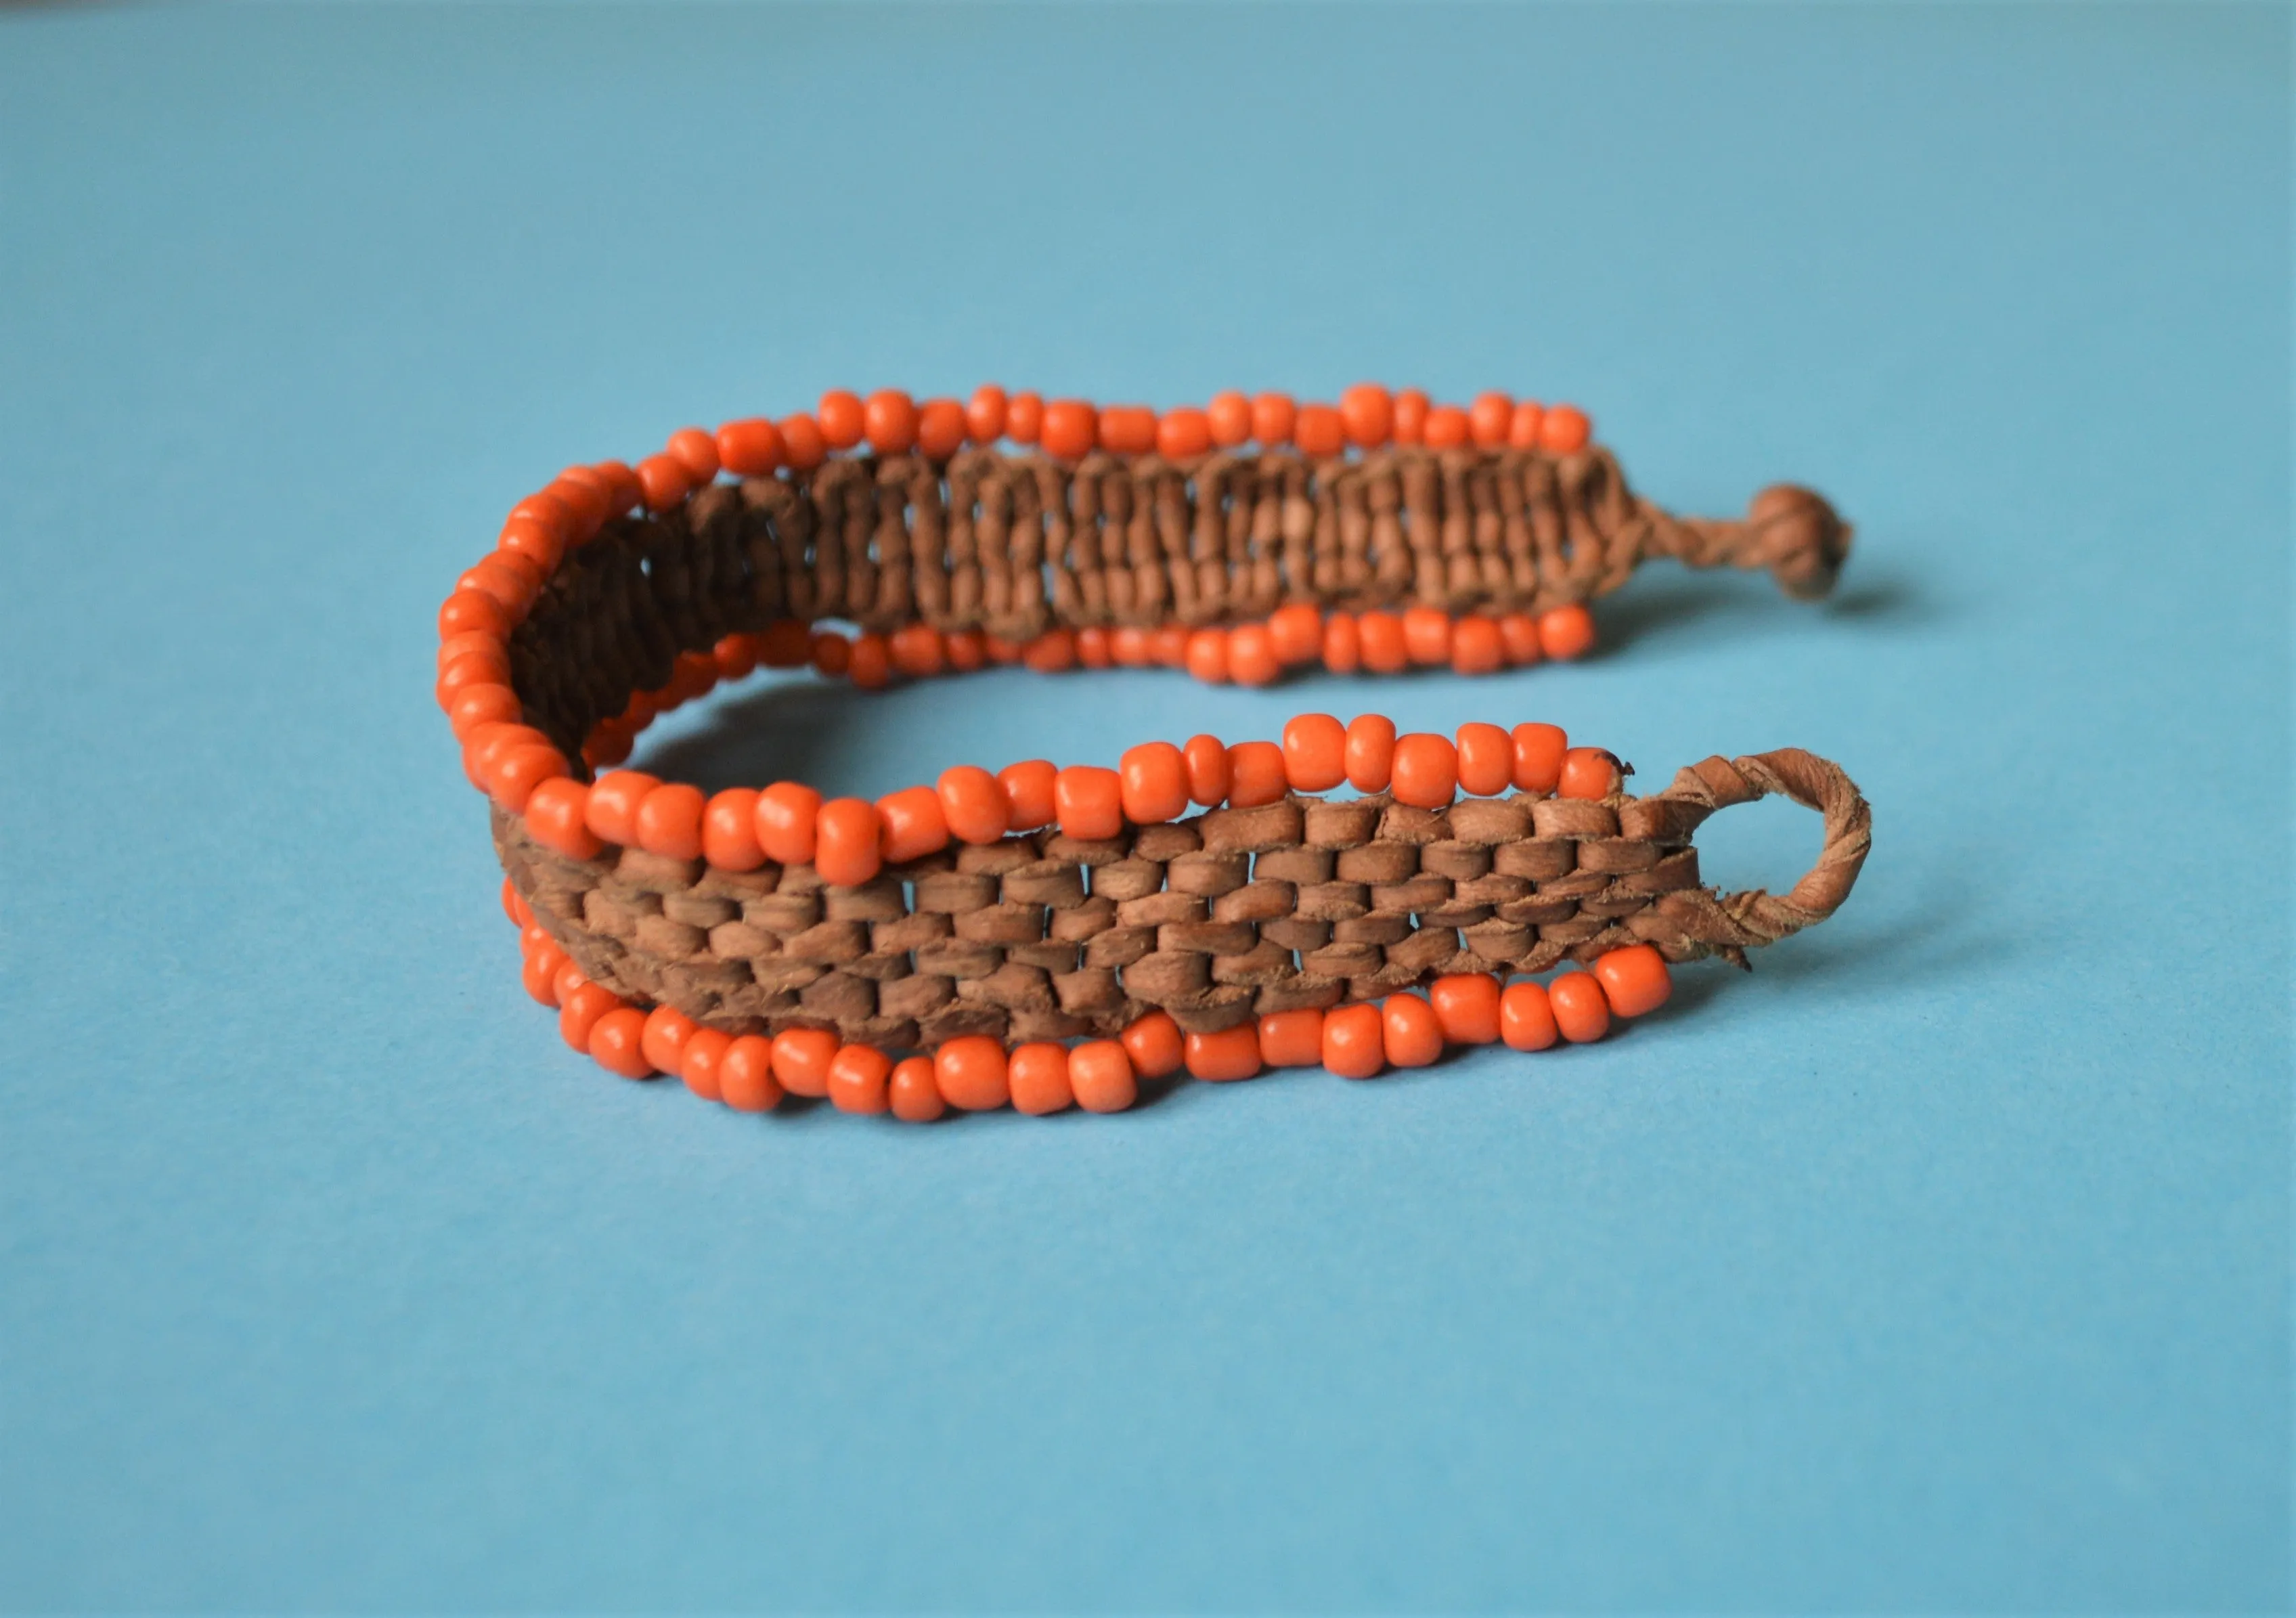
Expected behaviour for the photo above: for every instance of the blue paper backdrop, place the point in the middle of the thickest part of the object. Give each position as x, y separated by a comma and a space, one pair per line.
1942, 1263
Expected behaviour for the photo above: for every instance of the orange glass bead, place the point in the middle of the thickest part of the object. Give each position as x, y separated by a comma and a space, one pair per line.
1155, 782
729, 830
1099, 1075
1272, 416
1427, 635
1052, 653
1028, 789
1251, 659
570, 978
859, 1078
1130, 646
534, 540
1446, 427
608, 744
514, 906
1354, 1041
1589, 772
749, 448
1523, 426
888, 421
1476, 646
871, 667
1486, 759
1343, 643
1092, 647
508, 577
1539, 753
1525, 1018
1088, 802
1319, 430
488, 668
803, 445
1231, 1054
1208, 656
1385, 651
786, 814
476, 705
694, 674
612, 810
1170, 644
786, 642
1229, 413
1038, 1074
1155, 1045
1566, 431
1566, 632
1256, 775
1411, 407
665, 480
669, 821
1634, 980
1368, 411
1071, 428
667, 1031
1209, 777
913, 1091
1295, 633
802, 1059
940, 427
735, 655
967, 650
916, 651
487, 745
1580, 1011
745, 1076
971, 1071
1519, 634
832, 654
539, 972
984, 414
557, 817
1466, 1007
1369, 754
697, 1062
972, 804
1291, 1038
617, 1043
843, 418
1024, 418
697, 451
1183, 434
910, 824
1489, 420
473, 611
1314, 752
1426, 770
846, 842
1409, 1032
579, 1009
1127, 429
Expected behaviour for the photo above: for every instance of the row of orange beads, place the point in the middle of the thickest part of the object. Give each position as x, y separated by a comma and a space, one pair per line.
977, 1074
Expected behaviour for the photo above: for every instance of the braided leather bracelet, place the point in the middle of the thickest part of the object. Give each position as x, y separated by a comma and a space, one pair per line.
759, 943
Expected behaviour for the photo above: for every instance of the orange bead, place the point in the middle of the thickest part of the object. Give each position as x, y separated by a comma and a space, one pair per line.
1489, 419
972, 804
539, 972
1038, 1074
872, 667
1486, 759
1256, 775
1411, 406
669, 821
802, 1059
843, 418
1155, 1045
488, 668
1580, 1011
1092, 647
1291, 1038
916, 651
1343, 643
533, 541
1523, 426
617, 1043
846, 842
1314, 752
1539, 751
557, 817
1100, 1076
1170, 644
1320, 431
514, 906
1591, 773
786, 813
473, 611
1127, 429
803, 446
1208, 777
984, 414
1426, 771
667, 1031
1251, 659
665, 480
910, 824
1024, 418
1634, 980
1427, 635
972, 1072
1446, 427
509, 577
913, 1091
1354, 1041
967, 650
1466, 1008
786, 642
832, 653
940, 427
1519, 634
1566, 431
888, 421
735, 655
749, 448
1130, 646
1272, 416
696, 451
1052, 653
745, 1075
705, 1049
1296, 634
1566, 632
476, 705
1088, 802
1071, 428
1183, 433
1369, 754
859, 1078
1368, 411
1208, 656
1410, 1033
579, 1009
1028, 789
612, 812
1155, 782
570, 978
1385, 650
1231, 1054
729, 830
1230, 415
1526, 1017
1476, 645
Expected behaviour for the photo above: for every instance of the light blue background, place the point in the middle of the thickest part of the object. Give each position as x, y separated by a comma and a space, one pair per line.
1942, 1263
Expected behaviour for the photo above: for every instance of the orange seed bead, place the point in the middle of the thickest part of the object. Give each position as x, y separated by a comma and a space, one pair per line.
617, 1043
1054, 652
910, 824
612, 810
843, 418
1580, 1011
972, 804
1088, 802
1296, 632
1385, 650
1409, 1030
972, 1072
1466, 1007
1155, 1045
1489, 419
1092, 647
538, 974
1522, 427
1209, 767
1319, 430
803, 446
1130, 646
1539, 753
471, 611
696, 451
1343, 643
1367, 411
1127, 429
1272, 416
1183, 433
1230, 417
802, 1059
786, 642
745, 1075
1566, 431
1427, 635
1476, 646
750, 449
786, 814
1566, 632
916, 651
1028, 789
1024, 418
871, 667
1100, 1076
1231, 1054
984, 414
1291, 1038
1519, 634
1634, 980
1038, 1074
1070, 429
1314, 752
1426, 770
1486, 759
1154, 776
667, 1031
1526, 1017
579, 1009
858, 1077
1207, 655
1369, 754
847, 837
1256, 775
913, 1092
705, 1049
669, 821
729, 830
832, 653
1355, 1042
967, 650
1590, 772
1446, 427
1170, 644
1251, 659
1411, 406
888, 421
665, 480
557, 817
940, 427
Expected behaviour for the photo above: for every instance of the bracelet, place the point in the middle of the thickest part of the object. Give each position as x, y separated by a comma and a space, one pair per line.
760, 942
